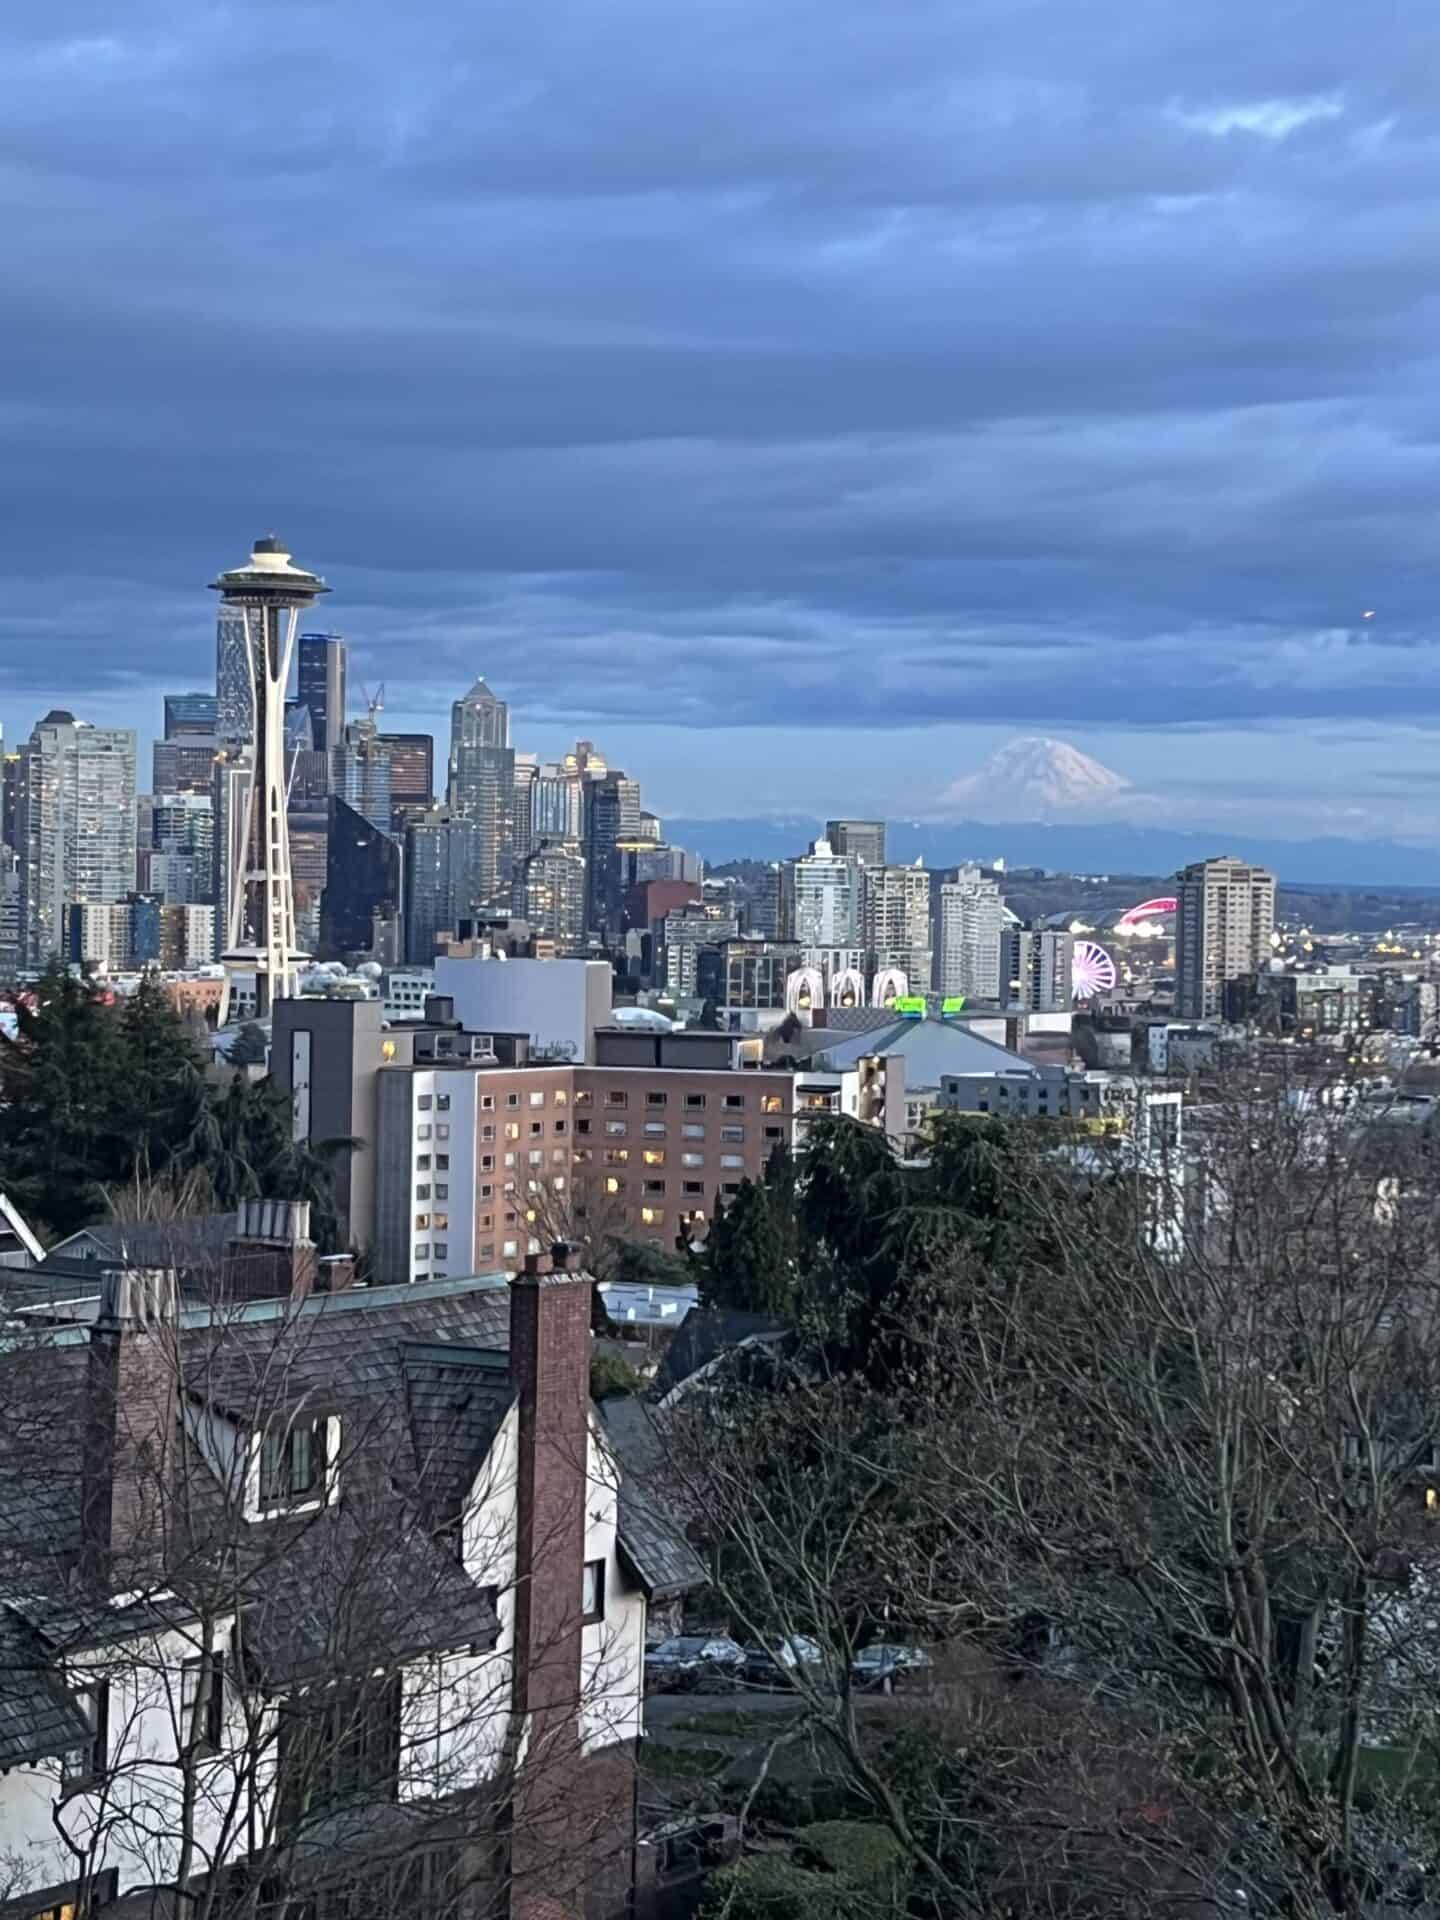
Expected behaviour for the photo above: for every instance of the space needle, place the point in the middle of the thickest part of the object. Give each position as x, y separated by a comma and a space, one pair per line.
269, 592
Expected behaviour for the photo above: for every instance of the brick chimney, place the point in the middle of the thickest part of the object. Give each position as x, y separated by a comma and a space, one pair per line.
550, 1367
130, 1446
270, 1255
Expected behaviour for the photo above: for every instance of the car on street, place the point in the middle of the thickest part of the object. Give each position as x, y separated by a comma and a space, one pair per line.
693, 1660
777, 1666
887, 1664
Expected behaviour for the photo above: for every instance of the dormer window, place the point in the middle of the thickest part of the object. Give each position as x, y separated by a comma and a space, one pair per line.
295, 1462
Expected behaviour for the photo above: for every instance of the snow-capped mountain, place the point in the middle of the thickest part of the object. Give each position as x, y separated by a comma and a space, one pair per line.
1039, 779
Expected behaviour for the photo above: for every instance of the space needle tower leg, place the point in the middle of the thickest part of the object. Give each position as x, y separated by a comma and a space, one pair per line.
270, 593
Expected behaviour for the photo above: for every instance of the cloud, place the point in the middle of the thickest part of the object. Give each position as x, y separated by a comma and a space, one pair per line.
845, 367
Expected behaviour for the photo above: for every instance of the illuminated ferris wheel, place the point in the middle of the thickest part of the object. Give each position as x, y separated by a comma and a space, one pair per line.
1092, 971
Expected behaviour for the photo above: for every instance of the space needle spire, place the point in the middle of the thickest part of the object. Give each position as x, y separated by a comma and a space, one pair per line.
269, 593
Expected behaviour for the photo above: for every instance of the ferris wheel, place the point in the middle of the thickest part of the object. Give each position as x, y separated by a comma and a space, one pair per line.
1092, 971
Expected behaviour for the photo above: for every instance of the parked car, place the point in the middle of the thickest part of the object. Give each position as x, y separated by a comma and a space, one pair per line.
693, 1660
776, 1666
888, 1664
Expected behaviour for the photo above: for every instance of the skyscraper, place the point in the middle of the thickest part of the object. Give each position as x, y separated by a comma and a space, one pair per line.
75, 830
360, 772
412, 775
182, 831
362, 882
482, 785
967, 918
1225, 916
190, 714
897, 922
612, 818
863, 838
1035, 969
321, 686
557, 803
527, 775
551, 895
442, 857
234, 694
820, 898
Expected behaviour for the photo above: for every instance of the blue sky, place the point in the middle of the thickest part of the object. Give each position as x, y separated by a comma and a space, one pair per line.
798, 400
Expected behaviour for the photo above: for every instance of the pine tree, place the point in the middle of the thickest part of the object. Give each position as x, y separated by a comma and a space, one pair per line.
160, 1092
61, 1141
744, 1267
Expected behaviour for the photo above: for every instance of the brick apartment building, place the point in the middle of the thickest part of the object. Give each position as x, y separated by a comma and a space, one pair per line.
473, 1153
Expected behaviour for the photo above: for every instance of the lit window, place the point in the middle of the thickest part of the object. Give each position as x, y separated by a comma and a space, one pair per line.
654, 1156
562, 1098
536, 1157
558, 1183
387, 1049
441, 1221
652, 1216
613, 1184
582, 1096
509, 1159
582, 1156
616, 1156
537, 1099
422, 1219
512, 1129
510, 1249
772, 1103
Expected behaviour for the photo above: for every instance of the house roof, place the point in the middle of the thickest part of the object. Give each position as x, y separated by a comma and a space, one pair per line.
652, 1535
705, 1334
931, 1049
37, 1714
149, 1243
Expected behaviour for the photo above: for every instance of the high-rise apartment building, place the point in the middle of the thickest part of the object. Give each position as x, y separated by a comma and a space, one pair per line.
527, 774
190, 714
821, 903
182, 831
1035, 965
557, 803
10, 799
76, 826
1225, 917
612, 821
234, 691
550, 893
482, 785
967, 919
412, 775
360, 773
896, 925
865, 839
442, 861
321, 686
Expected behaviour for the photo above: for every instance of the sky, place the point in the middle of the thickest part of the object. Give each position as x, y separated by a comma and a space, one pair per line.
799, 401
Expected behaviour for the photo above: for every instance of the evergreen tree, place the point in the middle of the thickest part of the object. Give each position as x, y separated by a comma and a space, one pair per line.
744, 1267
61, 1142
249, 1047
160, 1090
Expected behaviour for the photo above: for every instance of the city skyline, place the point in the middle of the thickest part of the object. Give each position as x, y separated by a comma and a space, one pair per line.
1020, 379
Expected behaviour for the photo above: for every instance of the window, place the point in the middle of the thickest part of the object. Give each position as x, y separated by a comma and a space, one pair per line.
422, 1254
538, 1099
562, 1098
423, 1133
582, 1156
487, 1220
614, 1097
694, 1099
202, 1702
582, 1126
422, 1220
442, 1103
652, 1216
424, 1102
536, 1156
616, 1156
559, 1126
81, 1766
694, 1186
537, 1127
512, 1129
509, 1249
487, 1163
487, 1132
693, 1130
732, 1133
772, 1103
558, 1183
422, 1163
487, 1103
442, 1221
592, 1591
614, 1184
692, 1159
292, 1460
509, 1159
583, 1096
487, 1252
442, 1161
774, 1133
615, 1126
654, 1156
512, 1099
734, 1099
731, 1186
347, 1749
732, 1159
657, 1099
442, 1252
442, 1190
655, 1186
655, 1126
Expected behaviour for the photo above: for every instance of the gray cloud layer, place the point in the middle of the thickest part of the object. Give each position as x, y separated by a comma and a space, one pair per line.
1016, 361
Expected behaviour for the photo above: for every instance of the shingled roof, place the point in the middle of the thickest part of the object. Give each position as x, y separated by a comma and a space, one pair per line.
38, 1717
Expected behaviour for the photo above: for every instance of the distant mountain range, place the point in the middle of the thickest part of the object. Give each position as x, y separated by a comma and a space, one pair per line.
1037, 778
1111, 847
